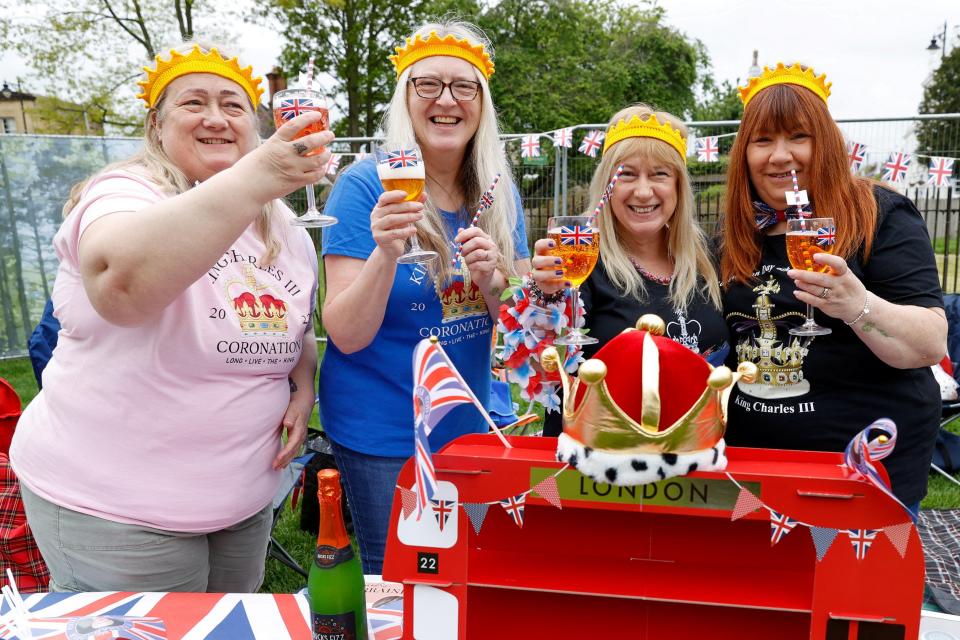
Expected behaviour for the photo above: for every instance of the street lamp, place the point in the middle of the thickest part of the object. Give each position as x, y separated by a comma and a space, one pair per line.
943, 38
6, 92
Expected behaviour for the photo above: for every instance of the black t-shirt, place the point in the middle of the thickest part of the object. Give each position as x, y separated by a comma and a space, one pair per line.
609, 311
818, 393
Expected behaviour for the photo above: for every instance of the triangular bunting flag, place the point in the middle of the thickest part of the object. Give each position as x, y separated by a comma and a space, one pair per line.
746, 503
899, 536
547, 489
563, 137
530, 146
861, 539
780, 525
514, 507
477, 512
408, 502
442, 510
823, 537
591, 143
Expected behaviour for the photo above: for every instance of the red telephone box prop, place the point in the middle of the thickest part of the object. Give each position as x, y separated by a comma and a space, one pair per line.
9, 414
662, 560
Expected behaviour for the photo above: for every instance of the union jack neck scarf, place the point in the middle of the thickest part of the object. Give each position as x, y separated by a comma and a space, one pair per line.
766, 216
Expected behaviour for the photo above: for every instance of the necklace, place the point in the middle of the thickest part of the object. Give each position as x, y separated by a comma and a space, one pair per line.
667, 279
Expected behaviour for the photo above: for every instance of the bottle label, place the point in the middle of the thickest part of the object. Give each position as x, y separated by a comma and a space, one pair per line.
340, 626
328, 556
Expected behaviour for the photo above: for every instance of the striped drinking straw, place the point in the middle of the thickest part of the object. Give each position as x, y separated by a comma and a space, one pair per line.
606, 192
310, 74
486, 201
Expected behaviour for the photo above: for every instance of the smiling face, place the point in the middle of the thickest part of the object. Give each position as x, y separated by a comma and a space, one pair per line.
645, 197
444, 125
205, 124
771, 156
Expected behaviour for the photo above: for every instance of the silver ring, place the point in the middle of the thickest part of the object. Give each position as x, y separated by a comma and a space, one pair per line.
823, 294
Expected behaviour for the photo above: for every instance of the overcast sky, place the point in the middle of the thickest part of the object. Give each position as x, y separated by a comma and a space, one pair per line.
874, 52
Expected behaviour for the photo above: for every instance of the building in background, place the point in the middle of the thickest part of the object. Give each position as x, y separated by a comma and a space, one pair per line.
22, 112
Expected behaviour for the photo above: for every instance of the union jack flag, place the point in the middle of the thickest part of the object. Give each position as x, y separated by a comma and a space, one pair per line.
437, 388
530, 146
856, 154
332, 164
862, 452
563, 138
592, 142
941, 170
403, 158
861, 539
385, 619
514, 506
896, 167
290, 108
708, 149
576, 235
780, 525
826, 236
442, 510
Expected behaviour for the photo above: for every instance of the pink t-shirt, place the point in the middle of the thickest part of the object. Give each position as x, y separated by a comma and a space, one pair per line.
173, 424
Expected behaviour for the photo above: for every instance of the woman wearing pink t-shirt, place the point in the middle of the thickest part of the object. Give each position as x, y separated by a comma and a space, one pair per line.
149, 460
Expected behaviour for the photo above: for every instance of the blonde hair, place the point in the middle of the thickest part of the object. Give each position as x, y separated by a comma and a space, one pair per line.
686, 242
482, 161
153, 162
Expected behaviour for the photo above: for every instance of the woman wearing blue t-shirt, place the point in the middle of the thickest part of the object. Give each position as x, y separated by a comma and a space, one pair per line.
377, 310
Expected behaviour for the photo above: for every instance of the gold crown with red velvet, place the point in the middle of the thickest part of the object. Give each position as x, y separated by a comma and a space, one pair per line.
259, 313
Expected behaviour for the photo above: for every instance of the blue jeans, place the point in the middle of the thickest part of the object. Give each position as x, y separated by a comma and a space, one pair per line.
369, 482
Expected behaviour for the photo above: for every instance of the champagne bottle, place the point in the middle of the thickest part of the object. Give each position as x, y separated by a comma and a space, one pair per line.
335, 583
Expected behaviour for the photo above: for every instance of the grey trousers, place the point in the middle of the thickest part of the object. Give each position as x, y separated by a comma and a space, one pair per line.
87, 553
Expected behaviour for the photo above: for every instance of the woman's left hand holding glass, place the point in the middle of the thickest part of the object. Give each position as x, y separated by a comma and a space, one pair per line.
837, 293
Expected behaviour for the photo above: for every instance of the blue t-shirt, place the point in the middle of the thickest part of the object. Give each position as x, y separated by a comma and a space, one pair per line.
366, 398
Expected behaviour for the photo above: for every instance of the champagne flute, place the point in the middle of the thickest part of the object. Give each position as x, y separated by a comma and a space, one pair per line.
287, 105
576, 242
402, 169
806, 237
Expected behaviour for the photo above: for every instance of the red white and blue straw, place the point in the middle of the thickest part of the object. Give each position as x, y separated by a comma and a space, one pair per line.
607, 191
486, 201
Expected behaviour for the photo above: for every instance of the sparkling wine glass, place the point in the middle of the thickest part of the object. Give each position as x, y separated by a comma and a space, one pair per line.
402, 169
287, 105
806, 237
576, 242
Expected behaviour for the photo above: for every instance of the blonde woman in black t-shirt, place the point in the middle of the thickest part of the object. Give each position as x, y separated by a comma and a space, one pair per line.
654, 257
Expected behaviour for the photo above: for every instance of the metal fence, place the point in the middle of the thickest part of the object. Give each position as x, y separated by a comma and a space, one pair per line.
37, 173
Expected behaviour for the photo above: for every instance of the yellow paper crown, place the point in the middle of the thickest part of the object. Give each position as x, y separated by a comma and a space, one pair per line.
197, 62
649, 127
786, 75
418, 48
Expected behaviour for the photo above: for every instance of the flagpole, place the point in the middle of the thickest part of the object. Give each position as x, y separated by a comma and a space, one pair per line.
473, 396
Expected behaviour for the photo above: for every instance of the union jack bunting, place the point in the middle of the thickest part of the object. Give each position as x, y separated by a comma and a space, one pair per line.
403, 158
940, 172
780, 525
442, 510
708, 149
861, 539
592, 142
385, 619
896, 167
856, 154
563, 138
332, 164
290, 108
826, 236
530, 146
576, 235
862, 452
436, 390
514, 507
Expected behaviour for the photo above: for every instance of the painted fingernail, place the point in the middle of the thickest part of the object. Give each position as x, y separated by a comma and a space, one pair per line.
558, 261
568, 284
551, 243
559, 272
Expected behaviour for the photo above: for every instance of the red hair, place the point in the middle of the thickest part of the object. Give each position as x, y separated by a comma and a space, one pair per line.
833, 190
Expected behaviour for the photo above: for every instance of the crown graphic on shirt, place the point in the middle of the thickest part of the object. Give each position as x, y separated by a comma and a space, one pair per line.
461, 298
778, 364
259, 313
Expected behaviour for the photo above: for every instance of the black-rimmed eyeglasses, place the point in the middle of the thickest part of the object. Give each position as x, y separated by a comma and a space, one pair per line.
432, 88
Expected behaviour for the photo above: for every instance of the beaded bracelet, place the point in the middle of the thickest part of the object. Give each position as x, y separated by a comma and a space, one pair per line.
541, 297
863, 312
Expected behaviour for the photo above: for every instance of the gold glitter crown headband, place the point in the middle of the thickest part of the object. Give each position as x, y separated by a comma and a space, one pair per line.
786, 75
197, 62
650, 127
418, 48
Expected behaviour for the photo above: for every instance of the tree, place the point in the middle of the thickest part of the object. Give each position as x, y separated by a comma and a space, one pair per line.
89, 52
718, 103
941, 95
